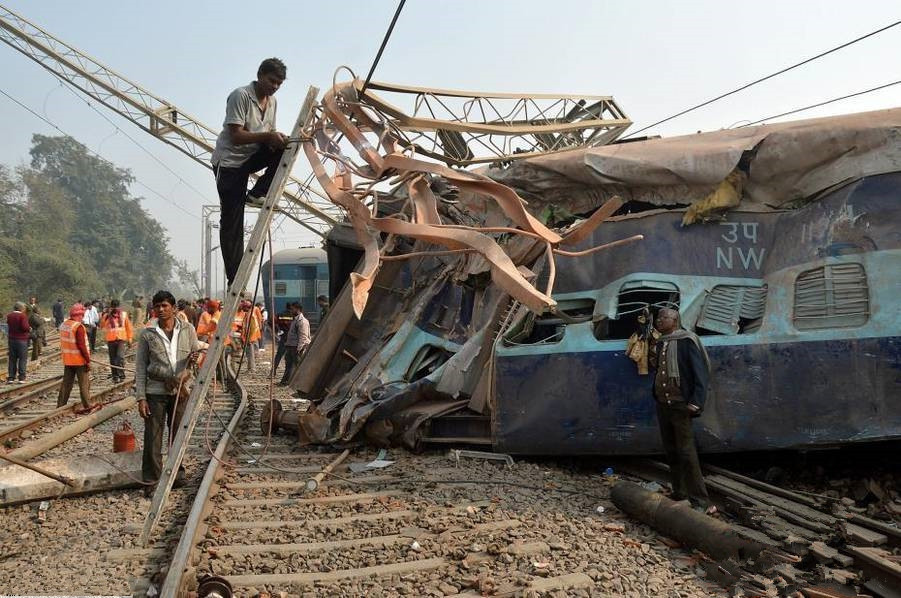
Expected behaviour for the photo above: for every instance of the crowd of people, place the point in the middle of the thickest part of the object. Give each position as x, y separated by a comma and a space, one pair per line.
251, 329
171, 336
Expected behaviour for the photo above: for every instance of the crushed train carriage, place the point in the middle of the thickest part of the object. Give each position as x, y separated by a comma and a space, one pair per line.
779, 244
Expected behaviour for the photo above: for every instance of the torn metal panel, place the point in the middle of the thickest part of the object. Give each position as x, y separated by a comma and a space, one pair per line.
793, 162
370, 128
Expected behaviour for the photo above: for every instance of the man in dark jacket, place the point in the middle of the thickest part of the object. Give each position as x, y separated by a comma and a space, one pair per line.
38, 333
680, 389
58, 313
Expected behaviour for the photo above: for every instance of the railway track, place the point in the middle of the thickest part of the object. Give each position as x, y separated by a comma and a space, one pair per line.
425, 525
48, 357
28, 407
266, 520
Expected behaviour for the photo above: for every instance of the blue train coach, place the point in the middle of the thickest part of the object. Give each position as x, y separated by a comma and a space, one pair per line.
297, 275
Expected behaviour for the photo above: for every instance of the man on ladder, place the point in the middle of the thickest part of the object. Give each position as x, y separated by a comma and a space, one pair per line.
247, 144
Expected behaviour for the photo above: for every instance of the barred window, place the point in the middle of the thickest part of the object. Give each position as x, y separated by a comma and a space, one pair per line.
281, 289
732, 309
833, 296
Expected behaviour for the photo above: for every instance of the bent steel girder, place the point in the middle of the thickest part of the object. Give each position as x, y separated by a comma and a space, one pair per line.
343, 115
462, 128
162, 119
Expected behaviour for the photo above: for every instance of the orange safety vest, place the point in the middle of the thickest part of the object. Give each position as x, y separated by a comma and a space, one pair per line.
207, 324
256, 332
67, 345
122, 332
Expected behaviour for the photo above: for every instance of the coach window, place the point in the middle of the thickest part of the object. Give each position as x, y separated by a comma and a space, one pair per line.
732, 309
832, 296
528, 328
634, 297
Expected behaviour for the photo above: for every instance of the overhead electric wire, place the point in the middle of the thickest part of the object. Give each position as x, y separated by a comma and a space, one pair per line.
762, 79
378, 55
818, 104
55, 126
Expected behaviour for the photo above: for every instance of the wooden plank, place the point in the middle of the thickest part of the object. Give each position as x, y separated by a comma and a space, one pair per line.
786, 504
315, 522
298, 485
569, 581
321, 500
341, 574
776, 490
861, 536
132, 554
307, 547
303, 469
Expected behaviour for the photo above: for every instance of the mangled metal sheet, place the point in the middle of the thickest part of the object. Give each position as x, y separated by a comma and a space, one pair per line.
345, 114
785, 163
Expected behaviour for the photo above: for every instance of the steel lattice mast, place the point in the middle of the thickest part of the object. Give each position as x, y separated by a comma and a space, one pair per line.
162, 119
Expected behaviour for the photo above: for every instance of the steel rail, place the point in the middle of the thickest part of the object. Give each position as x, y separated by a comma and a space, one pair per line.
193, 528
17, 395
100, 397
33, 365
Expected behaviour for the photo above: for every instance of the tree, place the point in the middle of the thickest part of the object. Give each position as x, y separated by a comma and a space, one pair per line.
127, 247
70, 228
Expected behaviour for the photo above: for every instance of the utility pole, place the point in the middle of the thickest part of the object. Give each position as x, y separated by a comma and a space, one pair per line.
206, 247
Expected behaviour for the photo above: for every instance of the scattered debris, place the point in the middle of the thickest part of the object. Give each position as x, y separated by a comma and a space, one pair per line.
456, 454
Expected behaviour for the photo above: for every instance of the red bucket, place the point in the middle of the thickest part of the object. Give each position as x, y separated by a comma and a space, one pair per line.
124, 439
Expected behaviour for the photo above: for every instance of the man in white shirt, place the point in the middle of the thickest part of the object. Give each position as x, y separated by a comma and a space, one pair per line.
167, 347
91, 320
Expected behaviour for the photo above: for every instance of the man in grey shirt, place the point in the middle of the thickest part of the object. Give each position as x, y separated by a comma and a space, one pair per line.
247, 144
298, 339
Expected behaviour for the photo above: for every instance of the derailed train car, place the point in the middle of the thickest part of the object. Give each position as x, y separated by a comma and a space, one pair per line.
798, 311
779, 245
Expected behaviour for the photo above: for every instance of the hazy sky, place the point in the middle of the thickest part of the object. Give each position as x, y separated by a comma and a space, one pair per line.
654, 58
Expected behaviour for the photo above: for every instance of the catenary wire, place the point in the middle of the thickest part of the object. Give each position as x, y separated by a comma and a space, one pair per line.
762, 79
60, 130
378, 56
818, 104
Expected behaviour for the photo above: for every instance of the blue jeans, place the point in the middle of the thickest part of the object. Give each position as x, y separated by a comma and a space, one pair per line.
18, 359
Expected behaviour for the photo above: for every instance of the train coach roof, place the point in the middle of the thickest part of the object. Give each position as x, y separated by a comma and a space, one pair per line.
780, 163
312, 255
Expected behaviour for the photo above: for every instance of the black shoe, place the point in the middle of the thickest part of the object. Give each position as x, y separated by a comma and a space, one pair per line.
254, 201
149, 490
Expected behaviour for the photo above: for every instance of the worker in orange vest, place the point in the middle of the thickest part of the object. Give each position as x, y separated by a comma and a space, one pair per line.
73, 344
209, 320
247, 332
258, 314
117, 326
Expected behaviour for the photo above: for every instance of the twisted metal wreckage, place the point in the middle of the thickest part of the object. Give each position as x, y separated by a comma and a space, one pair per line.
490, 251
444, 263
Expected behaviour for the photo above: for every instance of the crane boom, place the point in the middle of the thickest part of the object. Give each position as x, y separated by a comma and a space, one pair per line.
162, 119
